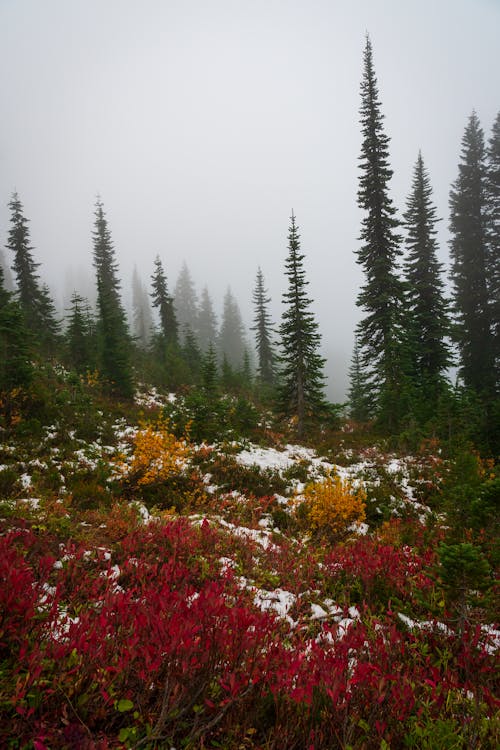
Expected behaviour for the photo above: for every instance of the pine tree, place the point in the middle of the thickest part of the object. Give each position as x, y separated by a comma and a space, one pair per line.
469, 253
381, 297
427, 309
111, 322
493, 239
263, 328
164, 304
141, 312
207, 322
301, 390
185, 304
231, 339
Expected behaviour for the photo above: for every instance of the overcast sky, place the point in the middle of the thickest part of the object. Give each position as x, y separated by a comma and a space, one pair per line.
202, 123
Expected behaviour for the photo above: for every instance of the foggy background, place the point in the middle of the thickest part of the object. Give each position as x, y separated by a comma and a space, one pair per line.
202, 123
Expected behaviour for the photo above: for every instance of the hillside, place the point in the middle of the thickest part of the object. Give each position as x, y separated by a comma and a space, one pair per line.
164, 591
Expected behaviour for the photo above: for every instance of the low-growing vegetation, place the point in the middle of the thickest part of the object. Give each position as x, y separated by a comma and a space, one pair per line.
160, 592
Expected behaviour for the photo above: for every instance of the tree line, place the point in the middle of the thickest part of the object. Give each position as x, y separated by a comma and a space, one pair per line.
408, 338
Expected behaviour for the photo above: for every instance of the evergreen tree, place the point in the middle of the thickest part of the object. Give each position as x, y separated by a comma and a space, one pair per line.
192, 355
34, 299
493, 239
50, 322
209, 370
15, 367
24, 266
301, 391
185, 304
359, 406
111, 322
207, 322
381, 297
262, 328
165, 305
231, 340
469, 253
79, 335
141, 312
425, 302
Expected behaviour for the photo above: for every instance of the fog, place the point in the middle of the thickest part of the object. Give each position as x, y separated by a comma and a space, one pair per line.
203, 123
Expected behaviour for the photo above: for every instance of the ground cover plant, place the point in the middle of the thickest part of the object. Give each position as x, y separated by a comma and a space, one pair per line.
162, 592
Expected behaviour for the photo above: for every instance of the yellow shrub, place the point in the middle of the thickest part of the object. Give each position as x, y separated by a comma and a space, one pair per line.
158, 455
333, 505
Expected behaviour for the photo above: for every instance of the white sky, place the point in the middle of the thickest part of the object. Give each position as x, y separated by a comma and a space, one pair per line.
202, 123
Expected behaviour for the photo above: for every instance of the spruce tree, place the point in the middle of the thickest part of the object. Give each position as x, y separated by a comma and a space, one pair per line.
427, 309
469, 254
164, 304
24, 266
493, 240
302, 379
381, 297
262, 327
114, 359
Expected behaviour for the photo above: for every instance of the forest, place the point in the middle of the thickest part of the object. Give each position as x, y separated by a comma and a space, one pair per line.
199, 550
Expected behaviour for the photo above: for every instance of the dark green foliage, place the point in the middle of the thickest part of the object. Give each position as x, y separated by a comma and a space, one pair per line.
15, 366
79, 335
301, 390
209, 371
34, 299
469, 252
380, 331
359, 402
208, 416
114, 359
263, 329
428, 322
192, 356
165, 305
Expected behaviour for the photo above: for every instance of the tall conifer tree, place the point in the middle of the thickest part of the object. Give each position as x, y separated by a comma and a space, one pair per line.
164, 304
115, 367
302, 378
381, 297
262, 328
469, 253
428, 321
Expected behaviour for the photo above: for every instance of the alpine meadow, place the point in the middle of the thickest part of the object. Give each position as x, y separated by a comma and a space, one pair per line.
215, 532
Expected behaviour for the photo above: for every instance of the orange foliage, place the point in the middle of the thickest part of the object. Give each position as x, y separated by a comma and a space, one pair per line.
332, 505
